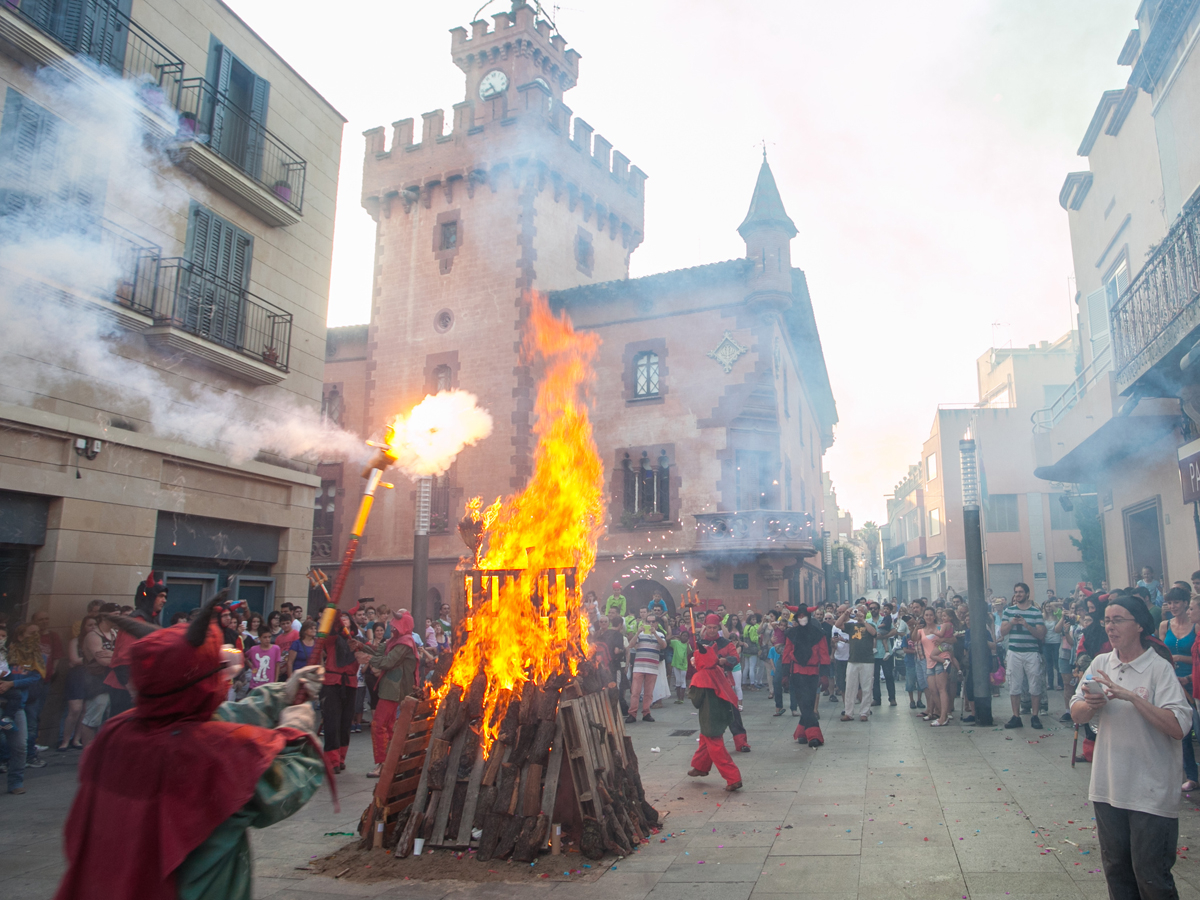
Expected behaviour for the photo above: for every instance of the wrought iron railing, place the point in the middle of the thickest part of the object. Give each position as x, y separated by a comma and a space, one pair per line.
98, 30
895, 553
210, 118
220, 311
1167, 286
1046, 418
136, 264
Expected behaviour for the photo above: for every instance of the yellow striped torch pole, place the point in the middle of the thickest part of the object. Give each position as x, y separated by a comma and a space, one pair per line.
373, 473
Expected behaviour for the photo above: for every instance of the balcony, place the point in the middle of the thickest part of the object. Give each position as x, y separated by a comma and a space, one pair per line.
136, 265
237, 155
895, 553
95, 30
1045, 419
191, 303
755, 531
1154, 321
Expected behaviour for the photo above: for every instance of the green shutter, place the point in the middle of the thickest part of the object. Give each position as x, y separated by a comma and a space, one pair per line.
221, 254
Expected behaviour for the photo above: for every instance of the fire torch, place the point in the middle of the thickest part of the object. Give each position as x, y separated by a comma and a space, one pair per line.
384, 457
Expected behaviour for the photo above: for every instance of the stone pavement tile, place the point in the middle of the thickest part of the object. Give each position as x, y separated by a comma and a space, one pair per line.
993, 885
697, 890
1005, 857
35, 885
817, 846
691, 868
642, 862
803, 895
731, 834
817, 874
744, 806
26, 862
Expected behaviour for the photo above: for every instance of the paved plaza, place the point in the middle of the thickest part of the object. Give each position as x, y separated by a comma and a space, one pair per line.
890, 808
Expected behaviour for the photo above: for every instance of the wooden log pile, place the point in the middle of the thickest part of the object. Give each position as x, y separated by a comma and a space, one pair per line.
503, 802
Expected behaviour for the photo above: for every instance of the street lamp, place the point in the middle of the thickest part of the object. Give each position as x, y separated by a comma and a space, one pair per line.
979, 613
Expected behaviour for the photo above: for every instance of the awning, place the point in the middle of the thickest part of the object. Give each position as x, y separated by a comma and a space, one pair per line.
1119, 439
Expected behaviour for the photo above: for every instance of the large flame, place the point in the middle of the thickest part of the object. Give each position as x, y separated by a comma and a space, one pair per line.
426, 441
534, 627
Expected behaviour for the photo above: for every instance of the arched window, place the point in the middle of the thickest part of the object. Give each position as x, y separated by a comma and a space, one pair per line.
645, 375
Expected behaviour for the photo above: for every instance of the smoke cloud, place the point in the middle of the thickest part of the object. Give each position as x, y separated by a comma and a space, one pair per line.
429, 438
70, 355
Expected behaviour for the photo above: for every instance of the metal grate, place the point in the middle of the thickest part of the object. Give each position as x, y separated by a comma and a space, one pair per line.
682, 732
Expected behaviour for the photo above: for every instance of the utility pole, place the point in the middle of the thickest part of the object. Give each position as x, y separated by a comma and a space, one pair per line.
420, 576
981, 656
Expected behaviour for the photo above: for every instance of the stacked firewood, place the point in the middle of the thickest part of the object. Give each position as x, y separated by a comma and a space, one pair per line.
503, 803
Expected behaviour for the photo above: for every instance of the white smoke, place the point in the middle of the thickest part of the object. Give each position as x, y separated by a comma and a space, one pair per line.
60, 352
436, 430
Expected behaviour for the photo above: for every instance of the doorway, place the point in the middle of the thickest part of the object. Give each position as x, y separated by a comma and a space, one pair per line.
1143, 540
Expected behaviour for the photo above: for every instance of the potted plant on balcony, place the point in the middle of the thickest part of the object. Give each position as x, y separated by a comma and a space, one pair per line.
282, 190
187, 125
270, 355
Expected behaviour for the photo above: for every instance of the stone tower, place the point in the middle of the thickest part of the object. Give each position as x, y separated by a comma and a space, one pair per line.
517, 194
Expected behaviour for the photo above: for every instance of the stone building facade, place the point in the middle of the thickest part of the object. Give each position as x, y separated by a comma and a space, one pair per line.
204, 272
712, 406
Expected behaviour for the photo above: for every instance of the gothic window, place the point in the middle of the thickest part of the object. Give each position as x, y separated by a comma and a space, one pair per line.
585, 254
441, 378
324, 506
755, 480
645, 375
647, 488
439, 513
331, 404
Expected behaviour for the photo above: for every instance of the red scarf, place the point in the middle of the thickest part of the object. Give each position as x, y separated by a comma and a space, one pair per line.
710, 674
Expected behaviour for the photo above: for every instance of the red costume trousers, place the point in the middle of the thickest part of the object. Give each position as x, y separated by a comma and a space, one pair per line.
383, 723
712, 750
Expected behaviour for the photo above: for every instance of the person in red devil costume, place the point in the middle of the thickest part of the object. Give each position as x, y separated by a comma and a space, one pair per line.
168, 789
711, 692
148, 604
809, 650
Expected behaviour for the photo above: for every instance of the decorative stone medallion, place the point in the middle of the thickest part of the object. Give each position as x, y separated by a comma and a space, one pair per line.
727, 352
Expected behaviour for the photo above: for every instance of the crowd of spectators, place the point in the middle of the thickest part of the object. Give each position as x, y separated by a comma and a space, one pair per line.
80, 676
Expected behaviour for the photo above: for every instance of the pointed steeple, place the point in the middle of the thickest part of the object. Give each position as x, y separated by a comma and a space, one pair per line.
766, 206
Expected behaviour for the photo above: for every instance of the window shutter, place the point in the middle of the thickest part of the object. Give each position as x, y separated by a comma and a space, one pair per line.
1097, 313
223, 66
74, 25
109, 34
40, 11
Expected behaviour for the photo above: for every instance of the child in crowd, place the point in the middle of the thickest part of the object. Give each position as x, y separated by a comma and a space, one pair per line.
262, 662
679, 663
911, 684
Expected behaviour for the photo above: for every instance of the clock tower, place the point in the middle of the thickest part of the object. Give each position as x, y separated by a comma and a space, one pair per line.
515, 192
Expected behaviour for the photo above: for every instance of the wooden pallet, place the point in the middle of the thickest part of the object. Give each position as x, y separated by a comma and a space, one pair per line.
401, 773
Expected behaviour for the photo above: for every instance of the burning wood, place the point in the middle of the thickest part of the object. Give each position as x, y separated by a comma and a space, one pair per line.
522, 695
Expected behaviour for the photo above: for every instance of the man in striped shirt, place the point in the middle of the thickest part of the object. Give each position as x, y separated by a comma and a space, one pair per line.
1022, 623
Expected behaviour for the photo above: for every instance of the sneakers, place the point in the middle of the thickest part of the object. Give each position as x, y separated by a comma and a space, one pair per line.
912, 704
1014, 722
891, 703
647, 718
22, 790
778, 712
968, 720
736, 786
814, 743
678, 701
35, 762
696, 773
1035, 723
920, 704
1065, 717
631, 719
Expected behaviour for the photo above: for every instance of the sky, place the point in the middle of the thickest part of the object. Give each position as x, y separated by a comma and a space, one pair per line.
919, 147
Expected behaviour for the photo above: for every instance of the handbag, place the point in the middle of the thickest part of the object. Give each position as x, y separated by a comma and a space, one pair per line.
999, 675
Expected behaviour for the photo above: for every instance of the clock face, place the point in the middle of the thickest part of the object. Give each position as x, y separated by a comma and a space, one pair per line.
493, 84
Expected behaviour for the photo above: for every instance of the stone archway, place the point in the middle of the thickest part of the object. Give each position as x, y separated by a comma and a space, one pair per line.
638, 594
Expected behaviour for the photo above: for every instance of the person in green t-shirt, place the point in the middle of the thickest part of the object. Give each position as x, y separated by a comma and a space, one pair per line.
615, 601
679, 663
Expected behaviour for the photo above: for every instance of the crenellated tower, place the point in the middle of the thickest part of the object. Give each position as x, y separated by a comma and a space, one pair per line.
513, 192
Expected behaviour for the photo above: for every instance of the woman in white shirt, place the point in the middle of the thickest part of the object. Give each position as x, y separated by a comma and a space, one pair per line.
1141, 715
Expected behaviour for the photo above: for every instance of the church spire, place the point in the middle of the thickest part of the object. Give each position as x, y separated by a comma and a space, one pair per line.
766, 206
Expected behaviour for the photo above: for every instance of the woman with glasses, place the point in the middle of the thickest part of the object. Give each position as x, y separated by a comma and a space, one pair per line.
1142, 714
